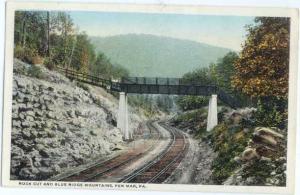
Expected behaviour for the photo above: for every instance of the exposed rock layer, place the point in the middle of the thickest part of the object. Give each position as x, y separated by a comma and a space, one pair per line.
263, 161
57, 125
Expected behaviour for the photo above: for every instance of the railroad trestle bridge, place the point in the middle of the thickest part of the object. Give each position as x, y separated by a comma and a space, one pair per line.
154, 85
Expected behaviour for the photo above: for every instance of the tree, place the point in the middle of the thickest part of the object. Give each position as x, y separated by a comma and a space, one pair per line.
24, 23
51, 38
102, 66
119, 71
262, 67
83, 55
201, 76
36, 30
225, 71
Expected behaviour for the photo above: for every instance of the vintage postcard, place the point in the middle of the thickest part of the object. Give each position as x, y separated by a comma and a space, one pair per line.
150, 97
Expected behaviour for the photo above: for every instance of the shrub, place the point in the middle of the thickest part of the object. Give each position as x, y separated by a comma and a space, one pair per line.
35, 71
228, 142
258, 169
83, 86
191, 102
26, 54
49, 63
194, 120
271, 112
19, 52
37, 59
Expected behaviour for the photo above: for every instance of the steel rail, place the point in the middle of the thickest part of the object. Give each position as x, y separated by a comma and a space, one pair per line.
171, 163
146, 167
97, 174
128, 160
131, 176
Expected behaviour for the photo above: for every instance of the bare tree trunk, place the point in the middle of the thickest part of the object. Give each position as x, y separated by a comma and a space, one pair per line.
65, 41
24, 32
48, 33
73, 46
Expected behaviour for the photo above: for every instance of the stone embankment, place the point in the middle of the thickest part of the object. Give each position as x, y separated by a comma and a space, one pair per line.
57, 125
237, 151
263, 162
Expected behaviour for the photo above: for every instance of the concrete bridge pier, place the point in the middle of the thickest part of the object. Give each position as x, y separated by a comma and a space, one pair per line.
122, 121
212, 118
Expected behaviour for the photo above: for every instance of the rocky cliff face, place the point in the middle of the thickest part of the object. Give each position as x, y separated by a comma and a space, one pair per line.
57, 125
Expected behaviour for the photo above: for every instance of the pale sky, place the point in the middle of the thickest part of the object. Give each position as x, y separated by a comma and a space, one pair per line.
222, 31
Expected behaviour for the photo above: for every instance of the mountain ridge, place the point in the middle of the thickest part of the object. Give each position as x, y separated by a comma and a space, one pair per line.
157, 56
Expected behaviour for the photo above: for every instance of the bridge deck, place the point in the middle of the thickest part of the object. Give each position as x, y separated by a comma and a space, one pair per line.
165, 89
144, 85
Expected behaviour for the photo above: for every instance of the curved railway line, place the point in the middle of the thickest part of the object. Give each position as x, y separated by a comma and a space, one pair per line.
155, 171
158, 170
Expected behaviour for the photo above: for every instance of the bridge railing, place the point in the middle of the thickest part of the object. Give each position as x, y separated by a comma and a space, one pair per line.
158, 81
83, 77
142, 85
151, 80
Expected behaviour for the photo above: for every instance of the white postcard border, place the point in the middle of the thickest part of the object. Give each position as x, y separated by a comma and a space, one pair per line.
11, 6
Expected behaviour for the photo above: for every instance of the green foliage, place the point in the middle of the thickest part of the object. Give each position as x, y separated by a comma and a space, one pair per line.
193, 120
190, 116
271, 112
51, 38
262, 171
103, 68
199, 76
191, 102
25, 54
151, 104
219, 74
222, 73
83, 86
19, 52
258, 169
225, 70
35, 71
83, 55
119, 71
30, 30
228, 142
144, 102
49, 64
164, 103
45, 34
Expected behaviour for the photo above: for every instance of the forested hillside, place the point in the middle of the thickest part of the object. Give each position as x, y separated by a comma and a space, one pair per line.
149, 55
51, 38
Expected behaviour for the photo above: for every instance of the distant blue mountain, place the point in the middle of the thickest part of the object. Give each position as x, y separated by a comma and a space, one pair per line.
149, 55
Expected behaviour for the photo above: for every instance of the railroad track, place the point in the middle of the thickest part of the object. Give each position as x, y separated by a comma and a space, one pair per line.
158, 170
108, 166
